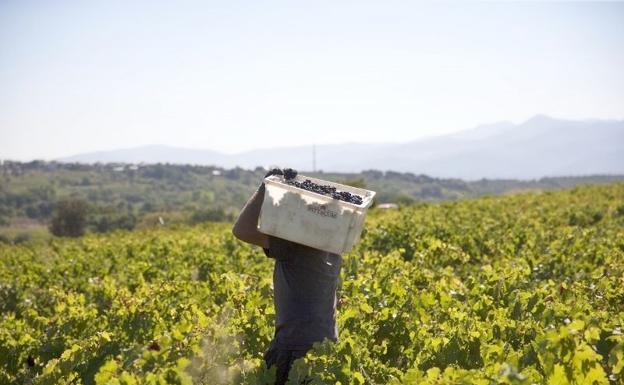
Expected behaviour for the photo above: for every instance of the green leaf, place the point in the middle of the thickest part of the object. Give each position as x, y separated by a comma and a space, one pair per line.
366, 308
358, 377
558, 376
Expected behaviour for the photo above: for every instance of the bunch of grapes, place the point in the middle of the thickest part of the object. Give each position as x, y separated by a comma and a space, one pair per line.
289, 177
326, 190
289, 173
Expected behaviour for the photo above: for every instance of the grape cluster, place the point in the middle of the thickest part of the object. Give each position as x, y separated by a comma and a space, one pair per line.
326, 190
289, 173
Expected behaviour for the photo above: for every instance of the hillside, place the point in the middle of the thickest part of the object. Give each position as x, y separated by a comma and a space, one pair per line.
129, 196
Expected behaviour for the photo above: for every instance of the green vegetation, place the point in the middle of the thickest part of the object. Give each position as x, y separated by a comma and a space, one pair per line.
517, 289
70, 218
124, 196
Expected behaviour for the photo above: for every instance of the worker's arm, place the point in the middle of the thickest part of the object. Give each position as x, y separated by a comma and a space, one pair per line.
246, 225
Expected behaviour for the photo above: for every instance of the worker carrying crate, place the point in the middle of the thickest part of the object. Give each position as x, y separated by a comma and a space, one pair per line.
305, 224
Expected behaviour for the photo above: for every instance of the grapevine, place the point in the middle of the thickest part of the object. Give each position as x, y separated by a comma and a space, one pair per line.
521, 289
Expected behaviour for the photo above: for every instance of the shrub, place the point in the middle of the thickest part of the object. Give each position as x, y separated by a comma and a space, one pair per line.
70, 218
210, 215
21, 238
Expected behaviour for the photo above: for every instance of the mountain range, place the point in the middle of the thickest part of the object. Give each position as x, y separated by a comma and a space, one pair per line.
542, 146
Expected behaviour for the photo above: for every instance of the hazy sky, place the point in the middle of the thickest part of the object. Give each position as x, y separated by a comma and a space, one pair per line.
78, 76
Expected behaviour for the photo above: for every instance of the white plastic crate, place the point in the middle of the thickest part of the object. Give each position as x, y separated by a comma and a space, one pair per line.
312, 219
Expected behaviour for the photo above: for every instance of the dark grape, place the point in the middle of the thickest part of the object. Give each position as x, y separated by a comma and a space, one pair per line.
289, 173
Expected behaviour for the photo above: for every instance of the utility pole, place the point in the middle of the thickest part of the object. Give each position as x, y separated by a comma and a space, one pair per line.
314, 158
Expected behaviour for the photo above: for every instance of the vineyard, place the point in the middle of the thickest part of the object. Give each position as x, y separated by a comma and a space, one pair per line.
521, 289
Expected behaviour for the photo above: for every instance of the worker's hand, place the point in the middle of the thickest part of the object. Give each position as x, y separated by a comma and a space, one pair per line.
288, 173
275, 171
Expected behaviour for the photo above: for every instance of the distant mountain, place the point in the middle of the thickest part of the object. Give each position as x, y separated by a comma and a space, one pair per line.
541, 146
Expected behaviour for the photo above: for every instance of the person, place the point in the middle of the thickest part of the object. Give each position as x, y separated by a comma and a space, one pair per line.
304, 281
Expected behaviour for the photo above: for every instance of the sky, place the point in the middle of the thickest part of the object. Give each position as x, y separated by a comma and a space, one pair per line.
82, 76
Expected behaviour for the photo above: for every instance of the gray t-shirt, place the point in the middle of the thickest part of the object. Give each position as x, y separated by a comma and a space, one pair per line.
304, 282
